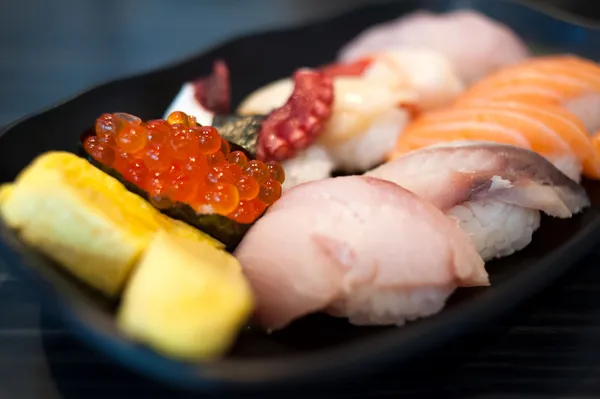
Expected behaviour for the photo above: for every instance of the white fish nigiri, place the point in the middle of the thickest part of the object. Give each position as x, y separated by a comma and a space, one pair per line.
355, 247
474, 44
495, 191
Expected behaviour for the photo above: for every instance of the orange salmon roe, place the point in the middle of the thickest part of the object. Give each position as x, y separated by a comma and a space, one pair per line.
247, 187
238, 158
132, 139
215, 158
177, 160
178, 118
258, 170
276, 171
270, 191
101, 152
208, 139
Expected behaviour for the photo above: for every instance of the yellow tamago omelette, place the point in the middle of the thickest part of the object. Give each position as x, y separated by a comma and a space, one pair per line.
185, 299
85, 220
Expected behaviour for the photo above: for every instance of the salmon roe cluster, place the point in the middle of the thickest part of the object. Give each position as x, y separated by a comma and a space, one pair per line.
177, 160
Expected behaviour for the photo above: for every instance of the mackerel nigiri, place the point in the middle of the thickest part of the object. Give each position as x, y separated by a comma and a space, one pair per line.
355, 247
566, 80
544, 128
495, 191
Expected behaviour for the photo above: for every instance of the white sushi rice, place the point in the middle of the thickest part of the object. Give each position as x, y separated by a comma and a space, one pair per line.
372, 305
359, 153
370, 147
185, 101
312, 164
497, 229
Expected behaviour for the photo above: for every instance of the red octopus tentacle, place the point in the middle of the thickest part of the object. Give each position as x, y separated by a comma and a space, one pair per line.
296, 125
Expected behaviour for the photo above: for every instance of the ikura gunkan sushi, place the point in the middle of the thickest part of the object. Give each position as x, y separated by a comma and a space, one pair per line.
187, 170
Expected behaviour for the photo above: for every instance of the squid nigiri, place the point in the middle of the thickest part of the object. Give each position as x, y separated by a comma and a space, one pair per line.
474, 44
356, 250
495, 191
566, 80
544, 128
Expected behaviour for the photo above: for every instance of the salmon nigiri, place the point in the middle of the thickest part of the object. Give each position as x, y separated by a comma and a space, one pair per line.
566, 80
546, 129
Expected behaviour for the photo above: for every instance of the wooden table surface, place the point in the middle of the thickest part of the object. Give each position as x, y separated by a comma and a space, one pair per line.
50, 50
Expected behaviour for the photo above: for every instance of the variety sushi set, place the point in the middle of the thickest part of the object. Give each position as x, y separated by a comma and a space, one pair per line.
450, 145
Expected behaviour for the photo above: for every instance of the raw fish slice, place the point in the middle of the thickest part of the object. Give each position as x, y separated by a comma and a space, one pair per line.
554, 78
475, 44
586, 109
550, 129
567, 125
451, 174
495, 191
564, 80
427, 72
369, 148
544, 128
355, 246
540, 135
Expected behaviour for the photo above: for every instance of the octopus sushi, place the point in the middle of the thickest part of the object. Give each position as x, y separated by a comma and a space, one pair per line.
373, 98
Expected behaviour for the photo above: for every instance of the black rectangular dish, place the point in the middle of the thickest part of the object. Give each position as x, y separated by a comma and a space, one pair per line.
316, 347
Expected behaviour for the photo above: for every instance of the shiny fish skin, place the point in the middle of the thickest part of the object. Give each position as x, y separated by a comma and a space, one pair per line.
450, 174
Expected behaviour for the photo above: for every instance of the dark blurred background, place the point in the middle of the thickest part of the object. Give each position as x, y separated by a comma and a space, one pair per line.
52, 49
